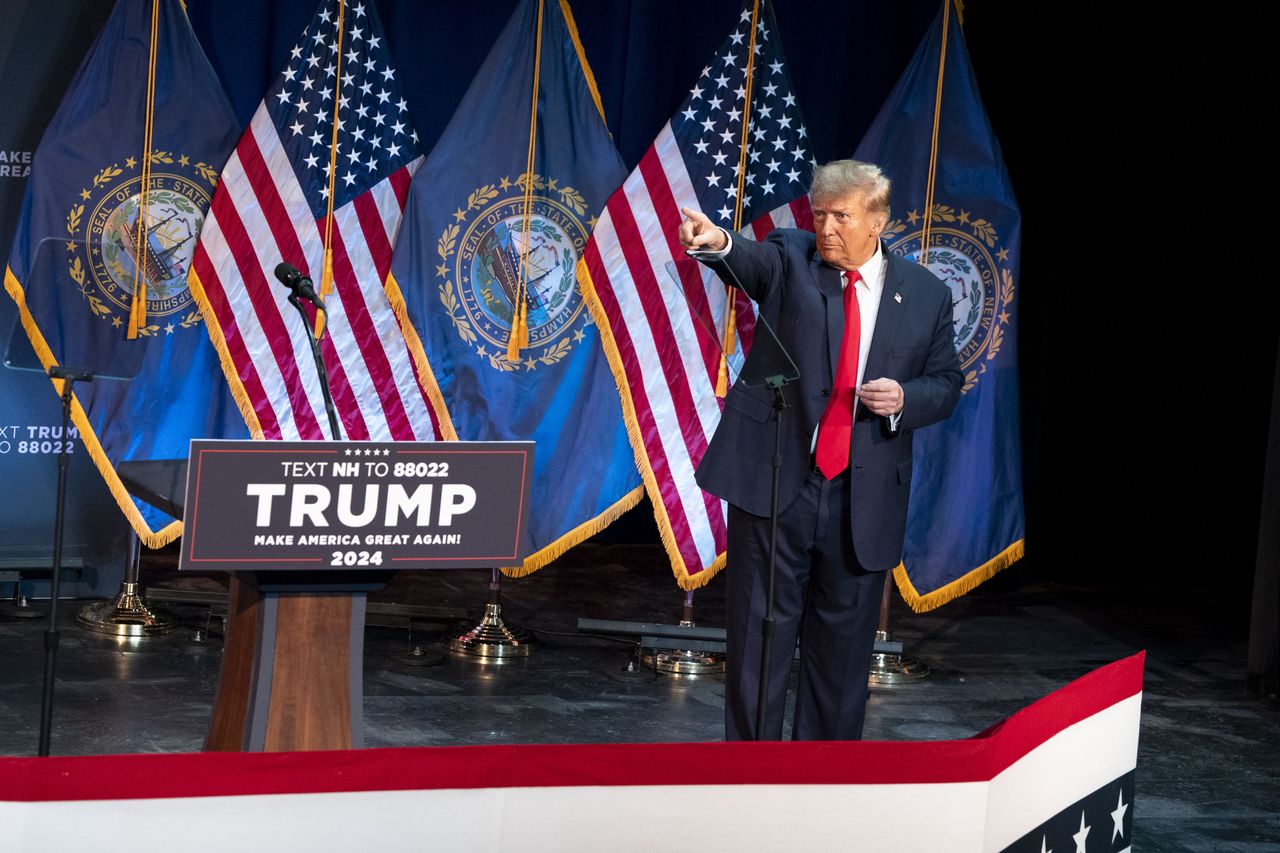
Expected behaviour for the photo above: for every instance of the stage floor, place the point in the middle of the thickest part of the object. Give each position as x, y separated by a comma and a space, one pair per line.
1209, 761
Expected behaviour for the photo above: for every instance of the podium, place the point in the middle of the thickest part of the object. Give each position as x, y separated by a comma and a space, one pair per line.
292, 663
307, 530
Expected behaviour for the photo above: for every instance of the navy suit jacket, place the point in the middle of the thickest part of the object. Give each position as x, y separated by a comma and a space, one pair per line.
801, 298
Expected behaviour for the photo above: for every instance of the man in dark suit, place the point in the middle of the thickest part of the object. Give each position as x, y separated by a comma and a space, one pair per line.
872, 338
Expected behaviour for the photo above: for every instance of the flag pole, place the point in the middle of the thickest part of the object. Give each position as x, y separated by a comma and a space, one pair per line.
889, 666
138, 305
519, 338
128, 614
492, 639
731, 312
326, 268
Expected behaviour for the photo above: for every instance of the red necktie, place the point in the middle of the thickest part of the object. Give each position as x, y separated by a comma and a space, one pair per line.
835, 430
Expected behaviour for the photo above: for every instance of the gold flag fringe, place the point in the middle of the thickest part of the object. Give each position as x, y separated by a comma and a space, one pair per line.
688, 581
421, 366
150, 538
229, 370
576, 536
582, 60
958, 587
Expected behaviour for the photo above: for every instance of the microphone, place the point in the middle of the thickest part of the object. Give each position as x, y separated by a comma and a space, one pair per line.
301, 286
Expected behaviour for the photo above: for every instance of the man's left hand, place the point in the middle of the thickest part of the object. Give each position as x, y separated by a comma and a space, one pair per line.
882, 396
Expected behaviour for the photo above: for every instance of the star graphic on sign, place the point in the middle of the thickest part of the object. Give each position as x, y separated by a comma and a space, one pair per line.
964, 217
591, 223
131, 163
168, 329
442, 270
347, 452
1004, 317
1003, 254
505, 183
1080, 836
1117, 817
84, 194
115, 322
459, 214
71, 245
551, 184
184, 160
530, 363
579, 336
913, 217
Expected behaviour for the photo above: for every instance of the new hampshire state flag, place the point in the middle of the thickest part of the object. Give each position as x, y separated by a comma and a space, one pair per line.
951, 194
119, 188
495, 224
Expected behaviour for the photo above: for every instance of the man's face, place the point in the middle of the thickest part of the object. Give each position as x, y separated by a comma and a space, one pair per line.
847, 232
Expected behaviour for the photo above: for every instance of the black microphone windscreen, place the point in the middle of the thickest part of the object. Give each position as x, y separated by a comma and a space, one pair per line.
287, 274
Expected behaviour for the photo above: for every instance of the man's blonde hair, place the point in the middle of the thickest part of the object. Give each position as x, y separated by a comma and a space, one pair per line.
841, 178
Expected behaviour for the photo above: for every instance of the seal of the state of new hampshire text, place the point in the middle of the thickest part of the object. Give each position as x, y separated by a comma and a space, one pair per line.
486, 250
104, 255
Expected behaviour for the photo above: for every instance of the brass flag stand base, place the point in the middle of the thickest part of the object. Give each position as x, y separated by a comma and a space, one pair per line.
681, 661
492, 640
889, 666
128, 615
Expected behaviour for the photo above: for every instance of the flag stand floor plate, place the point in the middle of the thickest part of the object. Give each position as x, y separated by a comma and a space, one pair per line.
127, 615
21, 607
890, 667
683, 661
492, 640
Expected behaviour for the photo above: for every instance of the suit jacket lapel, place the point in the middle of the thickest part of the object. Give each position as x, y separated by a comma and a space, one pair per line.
828, 279
888, 318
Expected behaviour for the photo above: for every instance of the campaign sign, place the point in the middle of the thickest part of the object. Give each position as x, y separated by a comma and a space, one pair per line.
351, 504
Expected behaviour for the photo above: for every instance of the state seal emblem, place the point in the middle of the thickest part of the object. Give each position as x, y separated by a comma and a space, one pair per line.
103, 255
486, 250
966, 253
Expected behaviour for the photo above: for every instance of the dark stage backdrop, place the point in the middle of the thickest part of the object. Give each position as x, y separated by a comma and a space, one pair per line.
1146, 373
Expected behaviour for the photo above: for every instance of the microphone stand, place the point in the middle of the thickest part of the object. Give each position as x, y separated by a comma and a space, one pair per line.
320, 368
69, 377
774, 383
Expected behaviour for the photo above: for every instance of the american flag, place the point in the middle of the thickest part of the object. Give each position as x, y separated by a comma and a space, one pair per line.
272, 205
662, 314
